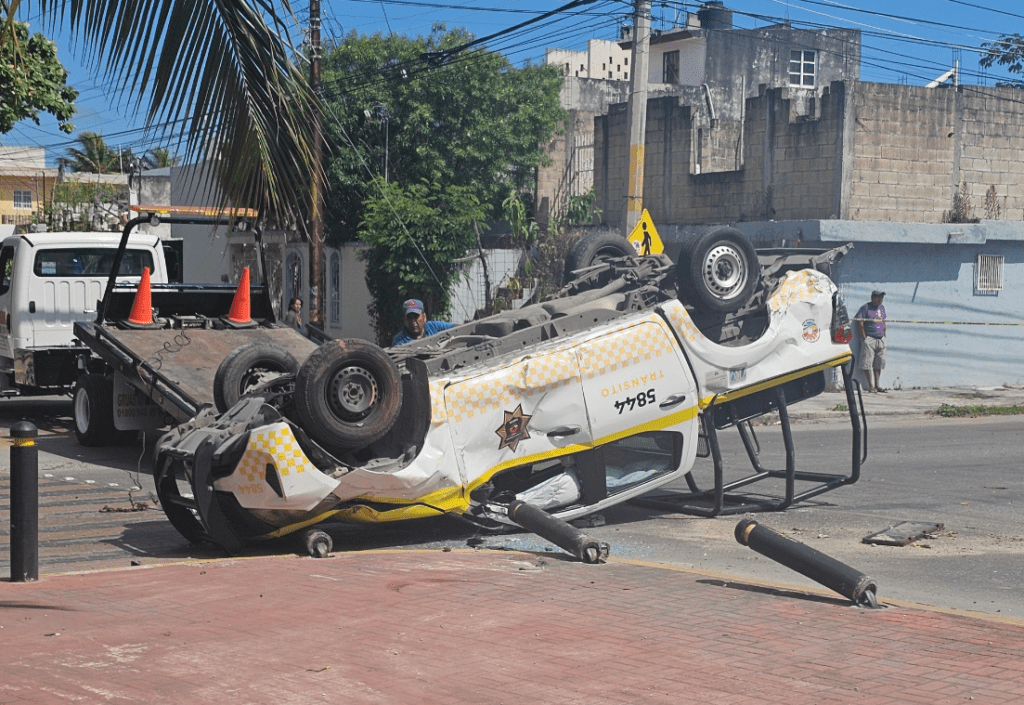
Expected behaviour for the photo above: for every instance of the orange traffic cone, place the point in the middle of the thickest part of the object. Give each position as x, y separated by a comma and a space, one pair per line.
142, 306
240, 304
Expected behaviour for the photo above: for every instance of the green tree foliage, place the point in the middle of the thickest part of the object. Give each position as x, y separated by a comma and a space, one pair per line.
474, 121
1006, 51
73, 203
32, 80
457, 139
413, 233
94, 156
159, 158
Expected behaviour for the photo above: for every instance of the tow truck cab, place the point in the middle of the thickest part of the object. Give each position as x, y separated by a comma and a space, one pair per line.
50, 281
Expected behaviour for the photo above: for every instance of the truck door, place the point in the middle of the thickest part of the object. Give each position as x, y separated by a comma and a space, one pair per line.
6, 292
527, 412
641, 405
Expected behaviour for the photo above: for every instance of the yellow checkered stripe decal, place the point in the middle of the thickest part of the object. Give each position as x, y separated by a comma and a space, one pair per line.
630, 346
503, 383
274, 445
680, 319
508, 387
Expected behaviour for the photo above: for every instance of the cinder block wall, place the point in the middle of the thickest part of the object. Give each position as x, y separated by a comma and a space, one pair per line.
787, 170
861, 151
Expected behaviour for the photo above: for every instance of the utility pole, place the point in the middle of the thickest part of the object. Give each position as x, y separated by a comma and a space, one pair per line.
316, 216
636, 114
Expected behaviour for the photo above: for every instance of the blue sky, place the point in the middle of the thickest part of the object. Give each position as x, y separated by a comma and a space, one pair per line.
911, 42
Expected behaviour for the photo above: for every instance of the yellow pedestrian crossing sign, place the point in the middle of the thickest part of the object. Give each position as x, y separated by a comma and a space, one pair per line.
645, 237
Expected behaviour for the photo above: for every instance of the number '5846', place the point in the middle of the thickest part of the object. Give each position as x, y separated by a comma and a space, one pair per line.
638, 402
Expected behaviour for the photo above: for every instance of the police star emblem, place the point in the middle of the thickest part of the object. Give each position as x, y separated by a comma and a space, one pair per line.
513, 429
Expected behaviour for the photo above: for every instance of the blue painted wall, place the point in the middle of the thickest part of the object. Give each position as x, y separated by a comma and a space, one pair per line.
927, 272
936, 283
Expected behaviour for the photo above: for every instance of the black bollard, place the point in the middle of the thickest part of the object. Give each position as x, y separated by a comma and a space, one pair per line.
24, 503
561, 533
808, 562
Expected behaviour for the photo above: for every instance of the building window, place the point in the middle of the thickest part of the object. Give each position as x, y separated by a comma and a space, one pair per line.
988, 274
582, 67
609, 74
626, 76
801, 68
604, 67
626, 61
23, 199
335, 288
670, 62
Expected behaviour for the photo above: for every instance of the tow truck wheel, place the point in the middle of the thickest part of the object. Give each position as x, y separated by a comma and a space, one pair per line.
246, 368
595, 247
718, 271
348, 393
93, 410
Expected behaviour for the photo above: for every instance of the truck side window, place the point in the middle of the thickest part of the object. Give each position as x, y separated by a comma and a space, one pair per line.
6, 267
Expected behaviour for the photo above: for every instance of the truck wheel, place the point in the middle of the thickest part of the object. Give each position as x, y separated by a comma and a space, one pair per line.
595, 247
246, 367
93, 410
718, 271
348, 393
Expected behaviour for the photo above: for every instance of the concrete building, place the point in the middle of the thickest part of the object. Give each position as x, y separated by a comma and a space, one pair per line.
26, 184
709, 68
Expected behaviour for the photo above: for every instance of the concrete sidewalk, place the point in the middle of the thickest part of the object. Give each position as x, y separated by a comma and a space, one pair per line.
480, 627
905, 403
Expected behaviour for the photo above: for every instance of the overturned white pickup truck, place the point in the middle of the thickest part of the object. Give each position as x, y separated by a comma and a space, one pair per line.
610, 389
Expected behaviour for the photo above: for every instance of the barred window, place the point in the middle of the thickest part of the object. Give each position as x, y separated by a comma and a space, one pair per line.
22, 199
988, 273
670, 64
801, 68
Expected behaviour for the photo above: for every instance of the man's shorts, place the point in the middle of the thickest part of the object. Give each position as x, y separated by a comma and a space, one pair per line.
872, 353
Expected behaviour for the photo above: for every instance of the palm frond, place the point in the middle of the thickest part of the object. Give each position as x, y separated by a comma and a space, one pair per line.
220, 81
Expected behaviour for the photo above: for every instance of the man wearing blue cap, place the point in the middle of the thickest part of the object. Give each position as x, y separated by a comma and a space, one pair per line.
871, 321
415, 324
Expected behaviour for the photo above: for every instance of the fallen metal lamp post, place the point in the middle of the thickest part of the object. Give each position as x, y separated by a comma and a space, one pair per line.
848, 582
561, 533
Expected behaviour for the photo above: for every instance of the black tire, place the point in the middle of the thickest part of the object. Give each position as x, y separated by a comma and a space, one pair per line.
348, 393
93, 410
718, 271
594, 247
181, 516
246, 368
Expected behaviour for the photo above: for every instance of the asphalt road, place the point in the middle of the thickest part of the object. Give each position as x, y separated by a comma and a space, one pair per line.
966, 474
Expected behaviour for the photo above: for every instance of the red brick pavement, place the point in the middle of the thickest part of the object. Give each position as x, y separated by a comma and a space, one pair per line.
479, 627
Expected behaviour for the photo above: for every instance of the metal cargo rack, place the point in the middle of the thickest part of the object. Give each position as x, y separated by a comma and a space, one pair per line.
723, 498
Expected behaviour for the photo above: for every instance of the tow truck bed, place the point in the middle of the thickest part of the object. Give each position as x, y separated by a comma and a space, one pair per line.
176, 368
